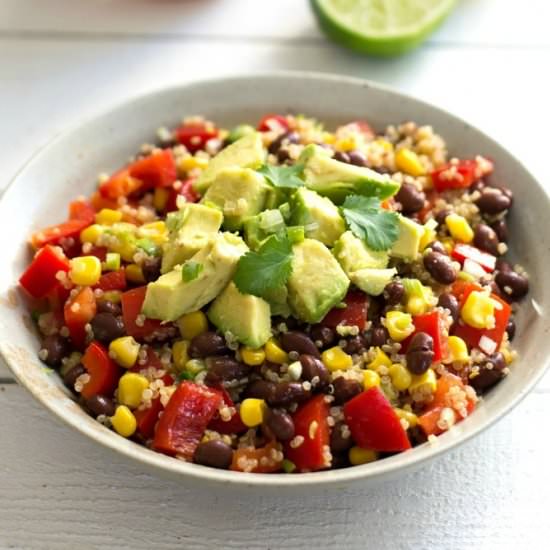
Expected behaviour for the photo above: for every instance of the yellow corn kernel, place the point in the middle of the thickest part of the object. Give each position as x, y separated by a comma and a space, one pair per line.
370, 379
428, 237
507, 354
134, 274
192, 324
400, 376
160, 198
459, 228
130, 389
252, 412
416, 305
463, 276
399, 325
124, 351
336, 359
190, 163
425, 383
274, 352
108, 216
111, 296
479, 310
384, 144
252, 357
410, 417
154, 231
458, 351
345, 144
448, 243
358, 456
124, 422
407, 161
91, 234
328, 137
85, 270
180, 354
380, 360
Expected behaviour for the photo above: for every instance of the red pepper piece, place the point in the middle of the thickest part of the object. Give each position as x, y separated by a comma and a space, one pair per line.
432, 324
79, 311
354, 314
310, 422
40, 277
185, 419
195, 136
82, 210
273, 122
131, 301
267, 466
103, 371
374, 424
462, 252
100, 252
156, 170
454, 176
186, 190
55, 233
120, 184
234, 425
57, 298
113, 280
147, 418
99, 201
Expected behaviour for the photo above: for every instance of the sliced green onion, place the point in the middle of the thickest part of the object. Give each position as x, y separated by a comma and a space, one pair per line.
295, 233
288, 466
271, 221
112, 262
148, 246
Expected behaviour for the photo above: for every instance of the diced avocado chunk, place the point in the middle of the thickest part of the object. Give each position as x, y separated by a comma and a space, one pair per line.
190, 230
336, 180
353, 254
246, 152
372, 280
317, 282
247, 317
259, 227
169, 297
278, 300
319, 216
239, 192
408, 243
276, 196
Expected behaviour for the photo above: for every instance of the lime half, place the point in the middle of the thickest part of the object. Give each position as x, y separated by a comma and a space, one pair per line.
380, 27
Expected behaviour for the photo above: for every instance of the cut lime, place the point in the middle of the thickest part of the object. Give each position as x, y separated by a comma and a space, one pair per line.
380, 27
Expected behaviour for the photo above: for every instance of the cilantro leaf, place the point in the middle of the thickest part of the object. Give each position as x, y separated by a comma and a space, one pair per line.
374, 225
190, 270
283, 176
267, 269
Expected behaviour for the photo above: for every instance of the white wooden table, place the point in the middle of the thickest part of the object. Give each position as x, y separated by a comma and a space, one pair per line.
62, 60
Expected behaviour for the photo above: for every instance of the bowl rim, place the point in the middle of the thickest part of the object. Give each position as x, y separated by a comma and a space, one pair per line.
384, 468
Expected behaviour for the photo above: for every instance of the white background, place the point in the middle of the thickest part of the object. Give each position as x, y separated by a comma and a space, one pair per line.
63, 60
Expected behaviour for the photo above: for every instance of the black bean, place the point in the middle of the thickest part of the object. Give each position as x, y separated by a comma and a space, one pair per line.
355, 344
503, 265
339, 443
357, 158
512, 284
438, 246
377, 336
214, 453
490, 372
287, 393
261, 389
375, 305
485, 238
511, 329
449, 301
106, 306
441, 215
501, 229
151, 269
476, 186
56, 347
345, 389
493, 201
440, 267
313, 368
286, 138
420, 353
224, 368
106, 327
393, 293
283, 154
206, 344
280, 423
100, 404
411, 198
417, 435
298, 341
508, 192
70, 376
325, 335
342, 157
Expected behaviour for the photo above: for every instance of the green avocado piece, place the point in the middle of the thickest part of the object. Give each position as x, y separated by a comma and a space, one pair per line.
336, 180
372, 280
257, 228
247, 317
239, 192
317, 282
190, 230
246, 152
278, 301
169, 297
319, 216
407, 244
353, 254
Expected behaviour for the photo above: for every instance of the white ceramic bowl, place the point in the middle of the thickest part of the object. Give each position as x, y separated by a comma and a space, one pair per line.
68, 166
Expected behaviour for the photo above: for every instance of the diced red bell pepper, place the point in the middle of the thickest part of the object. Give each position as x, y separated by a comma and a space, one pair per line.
185, 419
78, 311
57, 297
55, 233
147, 418
374, 424
131, 301
454, 176
232, 426
112, 280
82, 210
120, 184
104, 372
267, 466
462, 252
156, 170
273, 122
432, 324
99, 201
100, 252
310, 422
40, 277
195, 136
354, 314
186, 190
